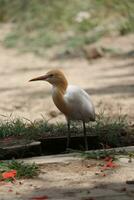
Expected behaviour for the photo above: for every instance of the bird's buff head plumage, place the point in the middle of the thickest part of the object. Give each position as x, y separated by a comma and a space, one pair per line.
54, 77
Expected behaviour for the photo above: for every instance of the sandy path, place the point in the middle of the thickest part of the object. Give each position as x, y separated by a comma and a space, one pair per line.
109, 80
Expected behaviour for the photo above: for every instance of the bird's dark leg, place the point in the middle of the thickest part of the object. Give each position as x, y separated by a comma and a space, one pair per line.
68, 134
85, 136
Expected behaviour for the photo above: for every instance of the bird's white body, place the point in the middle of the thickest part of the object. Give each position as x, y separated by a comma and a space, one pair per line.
78, 102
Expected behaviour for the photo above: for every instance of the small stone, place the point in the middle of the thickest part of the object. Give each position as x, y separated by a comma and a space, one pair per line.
97, 173
124, 189
92, 52
17, 193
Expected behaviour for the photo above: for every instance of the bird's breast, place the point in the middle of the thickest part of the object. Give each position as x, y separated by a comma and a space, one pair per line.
59, 101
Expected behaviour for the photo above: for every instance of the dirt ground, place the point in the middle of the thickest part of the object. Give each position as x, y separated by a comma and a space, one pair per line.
74, 179
109, 80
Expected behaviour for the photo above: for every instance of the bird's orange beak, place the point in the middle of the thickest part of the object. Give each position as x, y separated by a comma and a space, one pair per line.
39, 78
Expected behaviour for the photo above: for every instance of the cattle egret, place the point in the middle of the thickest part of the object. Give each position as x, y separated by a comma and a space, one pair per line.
71, 100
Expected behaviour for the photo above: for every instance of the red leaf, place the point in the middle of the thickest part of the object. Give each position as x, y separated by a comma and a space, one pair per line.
104, 174
40, 198
10, 190
109, 164
9, 174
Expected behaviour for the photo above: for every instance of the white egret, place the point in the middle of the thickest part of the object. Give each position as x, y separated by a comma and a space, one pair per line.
71, 100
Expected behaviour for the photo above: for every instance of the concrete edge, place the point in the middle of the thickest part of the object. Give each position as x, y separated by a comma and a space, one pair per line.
65, 158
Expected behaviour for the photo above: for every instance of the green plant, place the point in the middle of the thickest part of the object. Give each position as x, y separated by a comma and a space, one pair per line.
99, 154
24, 170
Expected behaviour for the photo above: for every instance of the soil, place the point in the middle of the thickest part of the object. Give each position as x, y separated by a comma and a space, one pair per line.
109, 80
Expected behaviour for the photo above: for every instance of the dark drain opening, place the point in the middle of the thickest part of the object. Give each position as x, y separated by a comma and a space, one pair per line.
58, 145
46, 146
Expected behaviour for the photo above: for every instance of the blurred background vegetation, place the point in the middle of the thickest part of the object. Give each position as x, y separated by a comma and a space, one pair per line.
44, 23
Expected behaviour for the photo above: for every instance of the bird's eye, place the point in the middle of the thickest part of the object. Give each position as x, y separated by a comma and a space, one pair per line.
51, 75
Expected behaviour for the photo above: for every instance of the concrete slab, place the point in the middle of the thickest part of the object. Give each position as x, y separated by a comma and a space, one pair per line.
69, 177
53, 158
75, 156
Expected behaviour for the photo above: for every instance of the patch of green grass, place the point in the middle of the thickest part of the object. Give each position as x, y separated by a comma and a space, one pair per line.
81, 40
10, 40
14, 127
31, 130
24, 170
106, 153
111, 131
47, 23
100, 154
